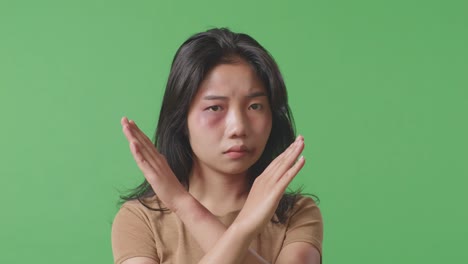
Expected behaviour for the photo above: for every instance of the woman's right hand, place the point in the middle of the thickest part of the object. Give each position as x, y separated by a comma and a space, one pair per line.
269, 187
154, 166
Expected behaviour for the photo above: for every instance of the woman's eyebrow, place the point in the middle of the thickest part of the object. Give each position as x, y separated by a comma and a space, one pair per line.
215, 97
256, 94
220, 97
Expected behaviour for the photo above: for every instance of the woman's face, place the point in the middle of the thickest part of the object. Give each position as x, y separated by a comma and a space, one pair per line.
229, 120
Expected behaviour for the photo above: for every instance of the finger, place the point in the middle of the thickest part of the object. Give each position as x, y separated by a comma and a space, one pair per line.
141, 161
140, 133
135, 131
128, 132
146, 160
278, 160
287, 161
124, 120
287, 177
143, 139
147, 148
149, 156
291, 146
149, 171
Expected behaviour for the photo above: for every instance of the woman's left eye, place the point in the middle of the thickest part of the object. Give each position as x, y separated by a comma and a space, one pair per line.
255, 106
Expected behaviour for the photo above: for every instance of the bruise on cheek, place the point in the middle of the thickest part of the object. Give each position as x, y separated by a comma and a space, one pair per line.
209, 119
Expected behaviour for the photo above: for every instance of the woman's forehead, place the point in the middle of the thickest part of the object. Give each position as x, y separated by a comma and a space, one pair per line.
231, 80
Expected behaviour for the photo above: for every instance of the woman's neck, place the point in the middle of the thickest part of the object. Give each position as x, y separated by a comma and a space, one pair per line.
220, 193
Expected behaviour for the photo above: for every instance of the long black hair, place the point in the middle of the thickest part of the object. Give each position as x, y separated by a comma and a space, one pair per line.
193, 60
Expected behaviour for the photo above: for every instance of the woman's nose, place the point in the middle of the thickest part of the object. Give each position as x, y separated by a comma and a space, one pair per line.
236, 124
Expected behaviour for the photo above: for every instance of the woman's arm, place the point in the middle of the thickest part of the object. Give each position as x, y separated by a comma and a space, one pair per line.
199, 221
261, 203
140, 260
208, 231
300, 253
221, 244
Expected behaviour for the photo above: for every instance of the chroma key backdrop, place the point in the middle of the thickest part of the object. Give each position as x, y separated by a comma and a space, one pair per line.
379, 89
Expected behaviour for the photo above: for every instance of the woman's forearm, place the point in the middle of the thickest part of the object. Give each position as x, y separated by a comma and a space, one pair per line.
220, 244
232, 248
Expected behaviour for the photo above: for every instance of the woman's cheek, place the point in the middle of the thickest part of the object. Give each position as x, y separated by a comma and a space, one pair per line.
260, 117
210, 119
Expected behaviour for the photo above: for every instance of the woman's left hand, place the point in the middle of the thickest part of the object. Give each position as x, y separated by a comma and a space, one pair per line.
269, 187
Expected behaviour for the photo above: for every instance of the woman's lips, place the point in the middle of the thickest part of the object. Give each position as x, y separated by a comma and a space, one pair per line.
236, 152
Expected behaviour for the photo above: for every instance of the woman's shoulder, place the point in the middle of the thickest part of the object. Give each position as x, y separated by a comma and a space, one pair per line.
149, 206
305, 206
305, 223
303, 199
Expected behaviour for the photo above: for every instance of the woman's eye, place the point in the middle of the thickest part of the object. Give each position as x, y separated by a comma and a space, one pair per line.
255, 106
214, 108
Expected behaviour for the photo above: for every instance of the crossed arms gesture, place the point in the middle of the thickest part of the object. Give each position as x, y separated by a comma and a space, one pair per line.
222, 244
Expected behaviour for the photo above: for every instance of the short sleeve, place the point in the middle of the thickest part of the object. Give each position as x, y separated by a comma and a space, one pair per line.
305, 224
132, 235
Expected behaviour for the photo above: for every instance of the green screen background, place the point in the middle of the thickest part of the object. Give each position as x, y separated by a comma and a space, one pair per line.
377, 88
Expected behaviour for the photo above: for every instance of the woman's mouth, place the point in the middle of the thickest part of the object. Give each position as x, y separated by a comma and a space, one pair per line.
236, 152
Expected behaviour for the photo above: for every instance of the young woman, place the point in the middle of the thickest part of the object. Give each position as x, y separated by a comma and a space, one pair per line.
224, 153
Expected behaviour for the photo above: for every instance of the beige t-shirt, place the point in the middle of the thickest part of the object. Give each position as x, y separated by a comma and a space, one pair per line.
140, 232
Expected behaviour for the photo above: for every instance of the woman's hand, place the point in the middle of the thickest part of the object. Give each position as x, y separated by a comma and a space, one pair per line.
261, 203
154, 166
269, 187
